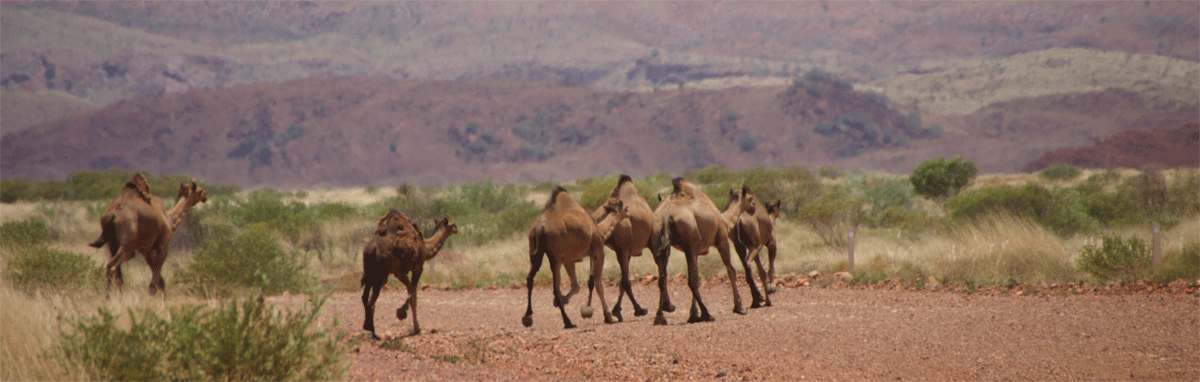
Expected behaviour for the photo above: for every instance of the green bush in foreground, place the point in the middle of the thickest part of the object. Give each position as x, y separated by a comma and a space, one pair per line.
43, 268
1116, 258
229, 343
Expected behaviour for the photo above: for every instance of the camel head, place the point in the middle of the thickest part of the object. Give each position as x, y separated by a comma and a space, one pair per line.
748, 201
609, 207
451, 228
773, 209
192, 193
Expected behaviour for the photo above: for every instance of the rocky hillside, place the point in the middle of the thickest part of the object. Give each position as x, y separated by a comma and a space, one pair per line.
293, 94
1178, 147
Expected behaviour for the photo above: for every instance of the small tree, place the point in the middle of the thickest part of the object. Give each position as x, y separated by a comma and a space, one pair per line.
939, 179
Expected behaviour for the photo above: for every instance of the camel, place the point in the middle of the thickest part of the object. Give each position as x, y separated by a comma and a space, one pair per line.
751, 228
398, 248
765, 217
565, 233
137, 222
689, 221
628, 238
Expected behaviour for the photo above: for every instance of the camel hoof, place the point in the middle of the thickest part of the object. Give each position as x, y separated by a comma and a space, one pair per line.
415, 331
569, 326
586, 312
660, 320
704, 318
768, 303
756, 304
617, 313
740, 310
375, 336
771, 289
610, 320
527, 321
401, 313
638, 312
669, 307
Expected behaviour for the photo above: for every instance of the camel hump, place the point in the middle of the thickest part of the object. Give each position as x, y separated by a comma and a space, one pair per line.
554, 197
138, 183
624, 179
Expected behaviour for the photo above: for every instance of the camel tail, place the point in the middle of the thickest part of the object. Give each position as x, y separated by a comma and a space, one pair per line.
664, 236
107, 233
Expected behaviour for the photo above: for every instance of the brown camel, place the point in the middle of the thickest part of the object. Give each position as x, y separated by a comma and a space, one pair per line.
565, 233
689, 221
137, 222
747, 232
398, 248
765, 217
628, 237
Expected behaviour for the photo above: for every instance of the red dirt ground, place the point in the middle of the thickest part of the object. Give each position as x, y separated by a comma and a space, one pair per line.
838, 332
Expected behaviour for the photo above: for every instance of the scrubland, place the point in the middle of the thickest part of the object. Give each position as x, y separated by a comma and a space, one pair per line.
1004, 229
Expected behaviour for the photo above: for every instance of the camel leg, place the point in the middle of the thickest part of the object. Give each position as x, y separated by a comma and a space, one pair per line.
664, 300
771, 248
369, 296
723, 247
114, 266
626, 287
402, 311
743, 255
694, 284
412, 299
155, 260
595, 280
574, 282
762, 275
555, 264
535, 263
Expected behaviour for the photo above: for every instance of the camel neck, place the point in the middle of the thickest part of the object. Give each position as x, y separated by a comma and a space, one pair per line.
175, 215
609, 223
433, 245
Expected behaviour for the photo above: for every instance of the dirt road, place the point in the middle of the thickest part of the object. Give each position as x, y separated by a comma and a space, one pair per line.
809, 334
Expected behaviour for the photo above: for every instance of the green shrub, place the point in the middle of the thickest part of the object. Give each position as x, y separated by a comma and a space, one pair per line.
1116, 258
195, 343
43, 268
12, 190
830, 215
940, 179
228, 262
31, 231
828, 172
1060, 171
1180, 265
1061, 210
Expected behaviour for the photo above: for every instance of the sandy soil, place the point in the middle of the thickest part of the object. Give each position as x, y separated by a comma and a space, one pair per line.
838, 332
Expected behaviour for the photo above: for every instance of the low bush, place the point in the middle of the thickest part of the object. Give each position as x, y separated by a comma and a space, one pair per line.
1116, 258
227, 262
1060, 171
193, 343
1180, 265
1060, 210
40, 268
31, 231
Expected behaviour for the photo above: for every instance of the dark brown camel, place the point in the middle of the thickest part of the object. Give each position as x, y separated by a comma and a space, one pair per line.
566, 234
765, 217
747, 232
137, 222
398, 248
688, 221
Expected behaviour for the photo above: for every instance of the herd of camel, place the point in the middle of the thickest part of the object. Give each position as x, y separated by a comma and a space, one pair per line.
564, 232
